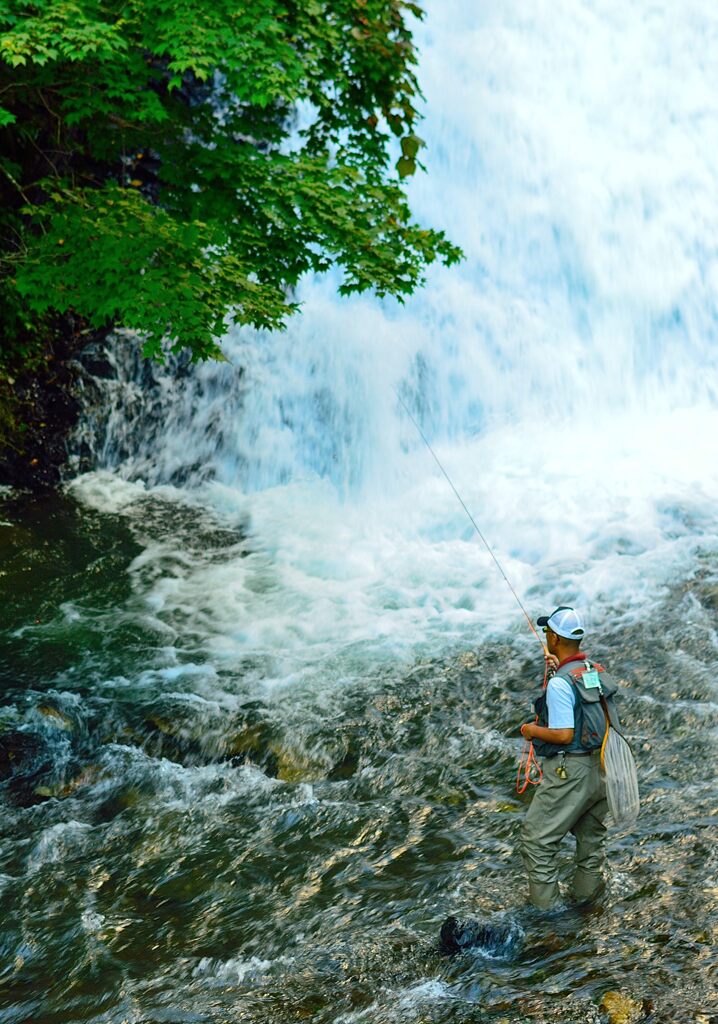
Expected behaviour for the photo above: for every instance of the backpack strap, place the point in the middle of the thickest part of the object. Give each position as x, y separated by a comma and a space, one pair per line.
604, 705
586, 666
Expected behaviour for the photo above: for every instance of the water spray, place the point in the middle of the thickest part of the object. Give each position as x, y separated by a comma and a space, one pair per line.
473, 521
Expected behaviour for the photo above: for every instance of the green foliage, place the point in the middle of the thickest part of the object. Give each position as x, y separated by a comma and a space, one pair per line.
154, 173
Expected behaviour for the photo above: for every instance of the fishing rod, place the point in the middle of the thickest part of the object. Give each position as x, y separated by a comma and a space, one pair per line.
472, 520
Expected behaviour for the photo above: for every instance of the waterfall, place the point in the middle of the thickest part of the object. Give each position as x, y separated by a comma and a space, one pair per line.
567, 371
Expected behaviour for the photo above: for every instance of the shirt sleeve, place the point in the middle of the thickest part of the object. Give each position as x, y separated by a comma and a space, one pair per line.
560, 699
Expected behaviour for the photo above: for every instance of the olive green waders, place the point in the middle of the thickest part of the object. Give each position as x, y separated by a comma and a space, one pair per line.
574, 804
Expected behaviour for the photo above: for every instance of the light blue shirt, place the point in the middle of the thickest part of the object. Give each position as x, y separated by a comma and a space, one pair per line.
560, 700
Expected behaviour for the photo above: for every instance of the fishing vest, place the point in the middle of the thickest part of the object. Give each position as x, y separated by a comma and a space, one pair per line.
589, 719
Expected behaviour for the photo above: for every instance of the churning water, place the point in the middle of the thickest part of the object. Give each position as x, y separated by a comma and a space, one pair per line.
263, 681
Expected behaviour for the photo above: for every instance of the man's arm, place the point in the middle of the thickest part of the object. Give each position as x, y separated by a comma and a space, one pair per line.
531, 731
560, 701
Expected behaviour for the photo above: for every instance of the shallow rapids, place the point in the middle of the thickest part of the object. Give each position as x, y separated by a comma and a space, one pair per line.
190, 840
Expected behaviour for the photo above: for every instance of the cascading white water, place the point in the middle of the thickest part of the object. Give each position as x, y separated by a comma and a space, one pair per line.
567, 372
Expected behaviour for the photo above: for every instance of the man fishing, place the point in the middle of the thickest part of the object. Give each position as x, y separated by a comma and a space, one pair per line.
573, 715
571, 722
567, 735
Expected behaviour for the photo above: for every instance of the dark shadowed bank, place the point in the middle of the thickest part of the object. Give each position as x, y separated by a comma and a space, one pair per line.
41, 406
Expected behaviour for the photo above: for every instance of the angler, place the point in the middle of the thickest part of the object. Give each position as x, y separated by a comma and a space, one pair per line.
572, 716
575, 719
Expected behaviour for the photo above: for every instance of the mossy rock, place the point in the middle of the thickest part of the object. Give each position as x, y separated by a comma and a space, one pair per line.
296, 765
252, 741
621, 1009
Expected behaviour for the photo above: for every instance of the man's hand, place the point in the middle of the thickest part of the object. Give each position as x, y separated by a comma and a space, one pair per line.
552, 661
527, 730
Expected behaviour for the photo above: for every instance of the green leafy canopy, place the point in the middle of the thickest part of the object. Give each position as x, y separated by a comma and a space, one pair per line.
154, 171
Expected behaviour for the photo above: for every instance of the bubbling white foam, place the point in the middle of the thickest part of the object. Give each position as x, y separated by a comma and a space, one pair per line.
331, 589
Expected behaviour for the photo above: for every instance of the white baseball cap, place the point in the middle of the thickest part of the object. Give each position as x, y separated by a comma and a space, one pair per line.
564, 621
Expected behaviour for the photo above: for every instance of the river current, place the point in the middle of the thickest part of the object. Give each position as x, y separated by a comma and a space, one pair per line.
261, 681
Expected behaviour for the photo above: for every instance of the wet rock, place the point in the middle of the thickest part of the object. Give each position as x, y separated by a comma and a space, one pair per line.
181, 729
95, 360
254, 739
165, 736
25, 761
250, 742
621, 1009
345, 768
295, 765
44, 410
498, 937
54, 717
62, 789
49, 760
21, 753
118, 802
192, 735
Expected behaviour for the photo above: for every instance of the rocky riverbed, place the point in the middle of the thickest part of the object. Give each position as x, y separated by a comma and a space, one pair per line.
183, 842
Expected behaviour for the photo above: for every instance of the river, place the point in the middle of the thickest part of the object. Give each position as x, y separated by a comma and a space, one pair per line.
262, 681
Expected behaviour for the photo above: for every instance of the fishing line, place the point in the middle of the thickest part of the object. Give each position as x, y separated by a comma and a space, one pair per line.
529, 771
471, 518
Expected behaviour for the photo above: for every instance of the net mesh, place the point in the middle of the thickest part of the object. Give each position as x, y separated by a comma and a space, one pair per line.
621, 779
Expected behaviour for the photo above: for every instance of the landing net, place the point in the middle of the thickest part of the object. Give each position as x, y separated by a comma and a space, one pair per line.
621, 779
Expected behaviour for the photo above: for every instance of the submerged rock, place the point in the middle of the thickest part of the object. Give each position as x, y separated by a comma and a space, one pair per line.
346, 767
37, 765
249, 741
177, 729
497, 938
64, 788
296, 765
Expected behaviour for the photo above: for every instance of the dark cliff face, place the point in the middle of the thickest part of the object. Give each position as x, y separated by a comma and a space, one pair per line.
41, 409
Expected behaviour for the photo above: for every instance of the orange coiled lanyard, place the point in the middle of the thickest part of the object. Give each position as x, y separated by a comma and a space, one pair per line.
530, 772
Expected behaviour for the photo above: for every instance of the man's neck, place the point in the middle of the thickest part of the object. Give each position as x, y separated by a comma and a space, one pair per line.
565, 656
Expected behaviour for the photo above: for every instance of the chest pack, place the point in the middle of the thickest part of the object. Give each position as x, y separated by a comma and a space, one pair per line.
594, 691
